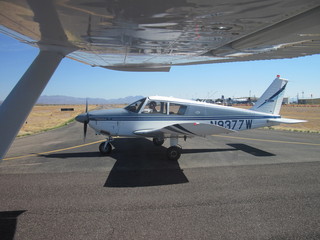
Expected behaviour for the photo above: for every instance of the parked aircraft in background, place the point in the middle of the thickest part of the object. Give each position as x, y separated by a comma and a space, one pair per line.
148, 35
166, 117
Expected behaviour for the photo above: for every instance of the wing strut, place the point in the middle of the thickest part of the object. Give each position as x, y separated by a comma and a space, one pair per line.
17, 106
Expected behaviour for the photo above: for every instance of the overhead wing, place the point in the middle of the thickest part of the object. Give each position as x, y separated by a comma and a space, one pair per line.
183, 129
152, 35
149, 35
286, 120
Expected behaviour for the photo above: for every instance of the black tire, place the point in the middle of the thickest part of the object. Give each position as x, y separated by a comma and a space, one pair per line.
173, 153
157, 141
105, 150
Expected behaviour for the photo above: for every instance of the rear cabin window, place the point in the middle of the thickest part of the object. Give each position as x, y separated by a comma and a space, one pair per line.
177, 109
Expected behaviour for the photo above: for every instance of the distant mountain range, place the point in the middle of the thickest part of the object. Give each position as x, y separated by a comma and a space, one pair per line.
74, 100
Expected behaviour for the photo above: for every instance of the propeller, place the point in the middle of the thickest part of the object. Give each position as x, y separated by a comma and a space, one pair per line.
84, 118
85, 122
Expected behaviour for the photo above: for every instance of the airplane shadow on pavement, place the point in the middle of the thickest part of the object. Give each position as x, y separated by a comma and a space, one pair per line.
251, 150
139, 163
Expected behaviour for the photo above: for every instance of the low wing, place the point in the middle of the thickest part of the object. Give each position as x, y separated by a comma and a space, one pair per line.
184, 129
286, 120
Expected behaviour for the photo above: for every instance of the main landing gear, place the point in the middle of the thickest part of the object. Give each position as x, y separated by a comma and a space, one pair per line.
173, 152
158, 141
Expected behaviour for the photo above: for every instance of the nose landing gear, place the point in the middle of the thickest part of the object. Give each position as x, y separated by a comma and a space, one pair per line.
105, 148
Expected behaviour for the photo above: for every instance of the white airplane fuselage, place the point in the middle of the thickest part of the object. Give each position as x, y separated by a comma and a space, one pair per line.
121, 122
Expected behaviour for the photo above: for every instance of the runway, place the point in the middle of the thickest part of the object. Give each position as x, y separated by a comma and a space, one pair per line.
258, 184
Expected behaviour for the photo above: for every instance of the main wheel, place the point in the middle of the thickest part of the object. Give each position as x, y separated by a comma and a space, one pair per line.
157, 141
173, 153
104, 148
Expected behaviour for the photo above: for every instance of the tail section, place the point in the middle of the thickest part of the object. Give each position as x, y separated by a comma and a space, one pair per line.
271, 99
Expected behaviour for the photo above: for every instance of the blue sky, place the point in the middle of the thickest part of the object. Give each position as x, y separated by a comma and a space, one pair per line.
199, 81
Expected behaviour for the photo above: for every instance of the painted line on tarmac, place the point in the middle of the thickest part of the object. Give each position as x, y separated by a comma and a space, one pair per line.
53, 151
88, 144
19, 165
266, 140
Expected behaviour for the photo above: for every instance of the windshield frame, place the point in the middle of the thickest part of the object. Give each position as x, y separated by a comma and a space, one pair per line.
137, 105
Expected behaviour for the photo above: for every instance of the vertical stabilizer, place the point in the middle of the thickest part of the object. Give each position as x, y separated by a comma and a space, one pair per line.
271, 99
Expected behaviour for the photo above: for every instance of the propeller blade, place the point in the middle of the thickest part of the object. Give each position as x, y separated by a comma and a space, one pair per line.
85, 123
85, 127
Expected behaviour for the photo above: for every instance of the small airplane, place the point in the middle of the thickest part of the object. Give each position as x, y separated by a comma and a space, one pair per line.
166, 117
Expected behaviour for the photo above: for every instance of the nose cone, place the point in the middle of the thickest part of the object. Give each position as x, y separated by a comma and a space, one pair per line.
83, 118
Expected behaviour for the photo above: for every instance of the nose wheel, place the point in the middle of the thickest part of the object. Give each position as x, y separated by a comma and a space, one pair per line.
105, 148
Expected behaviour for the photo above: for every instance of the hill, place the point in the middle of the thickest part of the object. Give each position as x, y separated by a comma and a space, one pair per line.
58, 99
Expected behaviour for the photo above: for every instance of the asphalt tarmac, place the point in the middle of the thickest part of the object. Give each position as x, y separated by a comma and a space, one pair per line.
258, 184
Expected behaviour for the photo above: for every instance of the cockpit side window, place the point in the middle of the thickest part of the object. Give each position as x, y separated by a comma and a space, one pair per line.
136, 106
177, 109
155, 107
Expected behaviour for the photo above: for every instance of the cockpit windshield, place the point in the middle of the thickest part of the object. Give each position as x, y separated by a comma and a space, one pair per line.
136, 106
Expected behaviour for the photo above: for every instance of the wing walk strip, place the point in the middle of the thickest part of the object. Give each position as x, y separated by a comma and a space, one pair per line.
171, 129
181, 130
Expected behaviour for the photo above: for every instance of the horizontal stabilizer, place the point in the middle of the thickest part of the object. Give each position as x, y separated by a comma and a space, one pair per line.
286, 120
184, 129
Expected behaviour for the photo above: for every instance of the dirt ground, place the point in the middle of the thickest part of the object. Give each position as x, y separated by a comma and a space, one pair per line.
311, 113
44, 117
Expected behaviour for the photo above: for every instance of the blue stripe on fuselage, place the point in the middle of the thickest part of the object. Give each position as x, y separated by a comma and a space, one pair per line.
175, 118
274, 95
